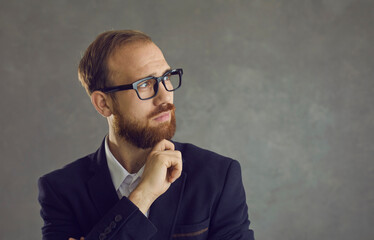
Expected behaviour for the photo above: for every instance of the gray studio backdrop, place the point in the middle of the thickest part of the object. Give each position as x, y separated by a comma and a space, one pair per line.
284, 86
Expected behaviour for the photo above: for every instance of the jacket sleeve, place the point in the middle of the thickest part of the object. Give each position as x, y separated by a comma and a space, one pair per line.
230, 219
123, 221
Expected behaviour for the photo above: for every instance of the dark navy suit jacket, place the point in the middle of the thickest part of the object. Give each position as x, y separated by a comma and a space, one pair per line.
206, 202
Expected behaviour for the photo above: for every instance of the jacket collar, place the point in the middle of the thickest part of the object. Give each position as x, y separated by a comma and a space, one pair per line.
100, 186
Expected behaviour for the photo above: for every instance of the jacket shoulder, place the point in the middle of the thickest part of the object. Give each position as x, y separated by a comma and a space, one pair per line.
70, 173
200, 159
191, 150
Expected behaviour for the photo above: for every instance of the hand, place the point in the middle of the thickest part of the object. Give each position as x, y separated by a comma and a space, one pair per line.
82, 238
162, 168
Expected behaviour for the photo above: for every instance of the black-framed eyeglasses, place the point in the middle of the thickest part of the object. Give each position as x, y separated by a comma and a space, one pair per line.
147, 88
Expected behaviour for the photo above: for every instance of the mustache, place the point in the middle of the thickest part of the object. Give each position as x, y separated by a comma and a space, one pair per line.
162, 108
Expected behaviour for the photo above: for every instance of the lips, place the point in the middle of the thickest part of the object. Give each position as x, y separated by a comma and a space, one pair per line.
162, 117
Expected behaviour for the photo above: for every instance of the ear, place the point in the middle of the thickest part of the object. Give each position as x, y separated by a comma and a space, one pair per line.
100, 101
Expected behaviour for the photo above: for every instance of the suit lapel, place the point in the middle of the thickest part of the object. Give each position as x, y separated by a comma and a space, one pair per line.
164, 210
100, 186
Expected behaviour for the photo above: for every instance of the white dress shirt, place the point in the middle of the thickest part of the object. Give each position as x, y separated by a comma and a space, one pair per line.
123, 181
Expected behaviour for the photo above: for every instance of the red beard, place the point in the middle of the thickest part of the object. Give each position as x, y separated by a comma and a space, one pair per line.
145, 136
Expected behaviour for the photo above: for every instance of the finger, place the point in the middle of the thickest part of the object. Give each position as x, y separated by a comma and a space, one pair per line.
163, 145
175, 170
72, 239
174, 175
172, 159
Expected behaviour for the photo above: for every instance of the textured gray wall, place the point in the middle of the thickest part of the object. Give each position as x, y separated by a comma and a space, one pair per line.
284, 86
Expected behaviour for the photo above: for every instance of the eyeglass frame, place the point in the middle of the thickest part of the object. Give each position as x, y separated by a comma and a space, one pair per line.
133, 85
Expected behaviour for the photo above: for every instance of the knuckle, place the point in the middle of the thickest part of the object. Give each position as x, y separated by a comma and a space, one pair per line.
179, 154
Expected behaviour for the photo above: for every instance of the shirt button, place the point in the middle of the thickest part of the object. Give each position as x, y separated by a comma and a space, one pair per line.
128, 180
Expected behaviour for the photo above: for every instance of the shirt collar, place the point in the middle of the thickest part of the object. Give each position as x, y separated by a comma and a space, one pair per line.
117, 172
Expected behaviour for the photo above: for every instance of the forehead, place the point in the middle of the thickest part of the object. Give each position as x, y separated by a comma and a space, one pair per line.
134, 61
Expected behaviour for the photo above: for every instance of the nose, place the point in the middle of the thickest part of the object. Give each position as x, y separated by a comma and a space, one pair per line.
163, 96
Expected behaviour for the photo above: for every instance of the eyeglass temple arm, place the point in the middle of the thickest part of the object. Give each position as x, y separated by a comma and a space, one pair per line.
117, 88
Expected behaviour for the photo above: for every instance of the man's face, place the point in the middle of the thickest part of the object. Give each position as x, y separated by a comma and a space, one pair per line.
141, 122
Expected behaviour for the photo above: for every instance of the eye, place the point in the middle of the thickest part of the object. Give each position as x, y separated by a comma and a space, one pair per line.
167, 77
145, 84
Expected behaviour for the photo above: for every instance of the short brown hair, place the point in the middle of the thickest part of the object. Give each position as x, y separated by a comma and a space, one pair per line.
93, 70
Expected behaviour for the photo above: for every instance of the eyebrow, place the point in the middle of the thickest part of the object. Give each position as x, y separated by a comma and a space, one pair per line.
153, 74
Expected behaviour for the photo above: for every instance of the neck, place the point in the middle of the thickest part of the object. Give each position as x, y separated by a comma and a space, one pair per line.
129, 156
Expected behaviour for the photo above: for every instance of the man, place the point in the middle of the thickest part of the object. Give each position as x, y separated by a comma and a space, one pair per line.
139, 184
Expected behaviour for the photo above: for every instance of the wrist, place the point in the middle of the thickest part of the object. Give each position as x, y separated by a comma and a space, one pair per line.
142, 200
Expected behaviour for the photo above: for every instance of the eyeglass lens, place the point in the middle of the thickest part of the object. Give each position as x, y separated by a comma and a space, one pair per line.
146, 88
